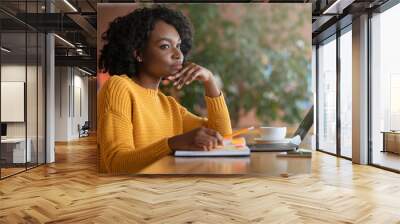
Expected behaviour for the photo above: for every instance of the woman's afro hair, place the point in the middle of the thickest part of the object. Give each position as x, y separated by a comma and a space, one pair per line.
130, 33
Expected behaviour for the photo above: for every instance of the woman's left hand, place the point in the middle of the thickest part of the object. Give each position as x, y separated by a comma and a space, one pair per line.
189, 73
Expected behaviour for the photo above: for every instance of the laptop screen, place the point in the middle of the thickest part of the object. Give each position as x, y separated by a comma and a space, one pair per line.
305, 124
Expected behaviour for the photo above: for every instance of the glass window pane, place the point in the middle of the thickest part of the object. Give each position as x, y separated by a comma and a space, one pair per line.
13, 85
386, 88
346, 94
327, 96
23, 84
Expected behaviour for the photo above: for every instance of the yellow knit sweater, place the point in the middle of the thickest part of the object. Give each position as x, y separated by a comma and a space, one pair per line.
134, 124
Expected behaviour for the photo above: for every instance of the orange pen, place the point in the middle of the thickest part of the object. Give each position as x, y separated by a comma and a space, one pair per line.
238, 132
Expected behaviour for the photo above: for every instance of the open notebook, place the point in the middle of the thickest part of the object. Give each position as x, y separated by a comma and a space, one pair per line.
234, 147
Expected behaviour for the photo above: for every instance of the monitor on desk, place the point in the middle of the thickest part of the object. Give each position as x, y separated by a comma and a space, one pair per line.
3, 130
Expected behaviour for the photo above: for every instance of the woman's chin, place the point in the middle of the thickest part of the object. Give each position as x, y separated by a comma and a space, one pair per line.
170, 73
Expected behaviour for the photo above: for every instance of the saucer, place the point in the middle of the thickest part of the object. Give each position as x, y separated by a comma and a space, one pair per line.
261, 140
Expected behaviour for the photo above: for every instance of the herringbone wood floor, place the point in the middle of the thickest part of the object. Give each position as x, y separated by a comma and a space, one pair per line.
70, 191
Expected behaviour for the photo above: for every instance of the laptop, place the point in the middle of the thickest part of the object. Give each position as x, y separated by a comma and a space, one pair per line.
293, 142
3, 131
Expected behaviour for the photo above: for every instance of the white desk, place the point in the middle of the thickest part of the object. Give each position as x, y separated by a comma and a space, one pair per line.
16, 147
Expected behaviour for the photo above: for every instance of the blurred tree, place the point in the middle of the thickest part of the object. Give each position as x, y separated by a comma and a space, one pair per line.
259, 53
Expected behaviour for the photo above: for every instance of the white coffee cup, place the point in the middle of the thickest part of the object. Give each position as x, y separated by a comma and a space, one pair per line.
273, 133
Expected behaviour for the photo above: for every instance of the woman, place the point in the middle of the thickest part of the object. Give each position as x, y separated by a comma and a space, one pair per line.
137, 124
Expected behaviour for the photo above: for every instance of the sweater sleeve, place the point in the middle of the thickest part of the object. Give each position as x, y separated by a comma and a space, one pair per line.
116, 142
218, 116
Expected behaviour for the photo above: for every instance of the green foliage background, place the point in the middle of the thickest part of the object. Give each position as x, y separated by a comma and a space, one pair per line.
260, 54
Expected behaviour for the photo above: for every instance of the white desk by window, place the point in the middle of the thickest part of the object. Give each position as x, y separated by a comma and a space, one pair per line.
16, 147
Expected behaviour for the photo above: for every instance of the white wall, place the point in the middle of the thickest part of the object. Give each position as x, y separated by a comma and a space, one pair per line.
61, 103
80, 109
34, 125
13, 73
71, 94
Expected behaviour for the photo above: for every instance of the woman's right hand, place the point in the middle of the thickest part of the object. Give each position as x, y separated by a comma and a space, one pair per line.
197, 139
